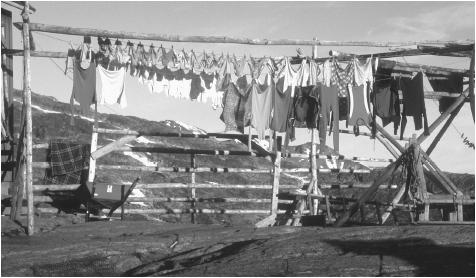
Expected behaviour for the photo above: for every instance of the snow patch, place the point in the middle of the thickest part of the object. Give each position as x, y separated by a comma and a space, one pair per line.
263, 143
195, 130
141, 158
144, 140
301, 180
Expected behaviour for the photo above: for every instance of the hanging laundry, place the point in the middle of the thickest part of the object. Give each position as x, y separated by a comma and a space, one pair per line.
386, 103
290, 76
329, 104
112, 88
195, 87
359, 112
363, 72
261, 97
342, 77
326, 73
282, 103
452, 84
413, 102
84, 85
232, 115
314, 72
306, 107
302, 78
243, 72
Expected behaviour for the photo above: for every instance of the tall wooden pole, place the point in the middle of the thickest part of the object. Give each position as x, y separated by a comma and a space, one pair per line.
471, 84
28, 134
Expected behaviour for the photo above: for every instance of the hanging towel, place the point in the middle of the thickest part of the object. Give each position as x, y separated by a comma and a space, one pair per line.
112, 89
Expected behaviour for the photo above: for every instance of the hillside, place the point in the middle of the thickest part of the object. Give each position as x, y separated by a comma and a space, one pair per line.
51, 120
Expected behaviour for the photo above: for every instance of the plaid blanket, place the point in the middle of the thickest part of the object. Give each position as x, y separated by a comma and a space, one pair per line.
67, 162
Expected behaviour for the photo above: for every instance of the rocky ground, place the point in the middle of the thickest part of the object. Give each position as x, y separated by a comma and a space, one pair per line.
151, 248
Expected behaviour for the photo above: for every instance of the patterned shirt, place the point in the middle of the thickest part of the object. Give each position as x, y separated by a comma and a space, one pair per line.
342, 77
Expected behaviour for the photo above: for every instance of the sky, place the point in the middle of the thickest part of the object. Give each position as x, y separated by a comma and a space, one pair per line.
341, 21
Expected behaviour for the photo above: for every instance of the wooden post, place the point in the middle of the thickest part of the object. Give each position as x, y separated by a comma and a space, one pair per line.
443, 130
28, 133
271, 220
249, 138
312, 188
420, 175
193, 193
471, 84
328, 209
276, 174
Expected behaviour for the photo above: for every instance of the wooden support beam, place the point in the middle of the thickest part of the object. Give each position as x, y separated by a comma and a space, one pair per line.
112, 146
442, 176
443, 130
210, 39
396, 199
28, 133
386, 174
92, 162
443, 116
39, 54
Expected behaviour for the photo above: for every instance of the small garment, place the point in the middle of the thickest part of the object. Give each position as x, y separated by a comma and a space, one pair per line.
342, 77
359, 112
363, 72
306, 107
112, 89
84, 86
344, 109
413, 102
329, 104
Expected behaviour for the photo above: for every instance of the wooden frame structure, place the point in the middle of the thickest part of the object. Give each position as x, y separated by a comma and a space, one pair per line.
461, 48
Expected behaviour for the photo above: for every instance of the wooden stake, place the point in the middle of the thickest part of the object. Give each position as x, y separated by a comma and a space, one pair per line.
28, 134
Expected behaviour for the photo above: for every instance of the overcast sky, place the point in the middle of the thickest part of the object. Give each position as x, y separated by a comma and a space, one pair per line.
360, 21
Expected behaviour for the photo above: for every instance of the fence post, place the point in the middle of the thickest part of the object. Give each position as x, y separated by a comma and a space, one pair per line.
28, 132
193, 193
